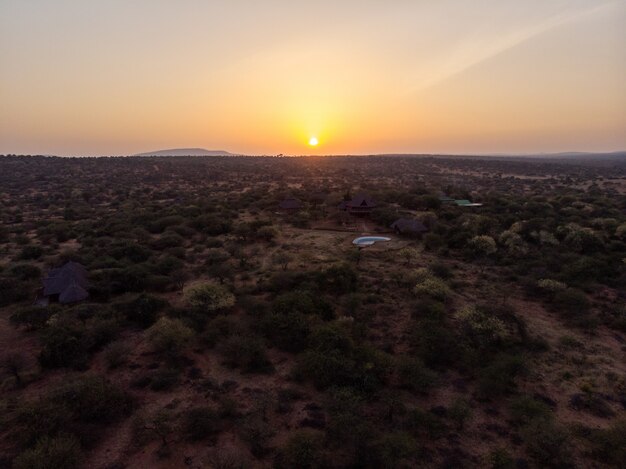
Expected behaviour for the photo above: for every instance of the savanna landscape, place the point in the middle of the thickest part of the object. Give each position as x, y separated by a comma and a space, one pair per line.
219, 315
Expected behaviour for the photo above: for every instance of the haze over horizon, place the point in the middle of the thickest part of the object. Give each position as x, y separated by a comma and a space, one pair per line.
362, 77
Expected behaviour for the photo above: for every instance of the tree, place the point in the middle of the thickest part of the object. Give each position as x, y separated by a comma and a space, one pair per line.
409, 255
282, 259
14, 364
481, 248
169, 335
209, 298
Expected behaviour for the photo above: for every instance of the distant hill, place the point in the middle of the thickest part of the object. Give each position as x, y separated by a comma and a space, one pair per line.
186, 152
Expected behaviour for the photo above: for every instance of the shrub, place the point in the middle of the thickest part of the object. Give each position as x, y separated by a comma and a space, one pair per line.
116, 354
432, 241
418, 422
164, 379
302, 450
392, 448
434, 341
94, 399
551, 286
30, 253
500, 459
257, 435
548, 444
209, 298
334, 361
12, 291
143, 310
63, 345
60, 452
25, 271
414, 375
498, 378
247, 353
169, 335
339, 279
571, 303
525, 409
200, 423
482, 246
479, 328
288, 331
266, 233
219, 328
460, 412
441, 270
33, 317
434, 288
609, 445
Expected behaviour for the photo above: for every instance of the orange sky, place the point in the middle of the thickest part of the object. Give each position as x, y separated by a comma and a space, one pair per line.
262, 77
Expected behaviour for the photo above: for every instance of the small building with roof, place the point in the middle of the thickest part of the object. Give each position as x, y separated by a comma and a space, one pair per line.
409, 226
290, 204
360, 205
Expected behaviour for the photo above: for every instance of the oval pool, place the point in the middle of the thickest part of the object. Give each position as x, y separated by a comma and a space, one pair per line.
369, 240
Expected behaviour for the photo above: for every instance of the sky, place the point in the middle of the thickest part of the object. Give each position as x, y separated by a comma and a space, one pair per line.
265, 76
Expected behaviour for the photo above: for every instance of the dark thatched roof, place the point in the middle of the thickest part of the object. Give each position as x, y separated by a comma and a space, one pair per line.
408, 225
68, 281
290, 203
73, 294
361, 200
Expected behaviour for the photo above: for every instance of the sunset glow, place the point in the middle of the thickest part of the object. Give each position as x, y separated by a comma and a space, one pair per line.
118, 77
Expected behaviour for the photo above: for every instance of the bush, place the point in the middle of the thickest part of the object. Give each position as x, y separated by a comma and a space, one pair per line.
143, 310
339, 279
392, 448
116, 355
609, 445
434, 341
30, 253
460, 412
247, 353
169, 335
498, 378
434, 288
200, 423
33, 317
164, 379
63, 345
548, 444
525, 410
302, 450
481, 329
501, 459
414, 375
94, 399
288, 331
209, 298
571, 303
12, 291
334, 360
432, 242
60, 452
219, 328
25, 271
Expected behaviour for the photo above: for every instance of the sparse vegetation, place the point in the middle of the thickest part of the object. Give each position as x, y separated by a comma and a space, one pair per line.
216, 321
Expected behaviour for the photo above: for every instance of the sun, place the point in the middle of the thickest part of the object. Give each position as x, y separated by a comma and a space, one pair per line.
313, 141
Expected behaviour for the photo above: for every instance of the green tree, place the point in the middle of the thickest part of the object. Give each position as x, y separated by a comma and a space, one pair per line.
169, 335
209, 298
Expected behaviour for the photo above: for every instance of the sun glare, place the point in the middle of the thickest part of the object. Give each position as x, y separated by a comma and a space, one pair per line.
313, 141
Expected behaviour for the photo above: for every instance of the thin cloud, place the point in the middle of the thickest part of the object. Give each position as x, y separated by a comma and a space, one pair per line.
471, 54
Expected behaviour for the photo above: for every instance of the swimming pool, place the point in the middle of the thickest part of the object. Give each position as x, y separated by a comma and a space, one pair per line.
369, 240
